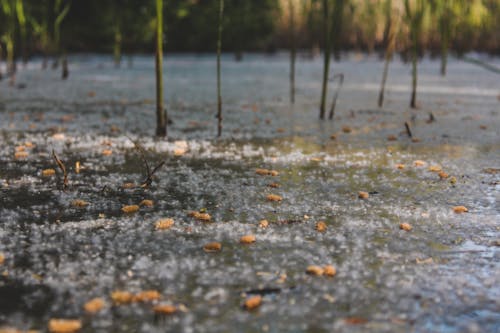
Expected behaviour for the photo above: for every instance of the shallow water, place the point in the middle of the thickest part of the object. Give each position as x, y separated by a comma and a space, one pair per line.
441, 276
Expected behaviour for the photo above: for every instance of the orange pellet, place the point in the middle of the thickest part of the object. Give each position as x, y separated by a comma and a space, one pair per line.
253, 302
212, 247
247, 239
64, 325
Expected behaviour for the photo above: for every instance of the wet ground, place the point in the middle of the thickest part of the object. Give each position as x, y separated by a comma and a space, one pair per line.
442, 275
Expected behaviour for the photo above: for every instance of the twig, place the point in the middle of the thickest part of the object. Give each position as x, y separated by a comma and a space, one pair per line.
408, 130
63, 169
149, 179
431, 118
340, 78
149, 174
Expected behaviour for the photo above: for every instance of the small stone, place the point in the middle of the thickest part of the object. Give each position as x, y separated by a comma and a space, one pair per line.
165, 309
453, 180
164, 224
128, 209
247, 239
253, 302
346, 129
400, 166
2, 258
315, 270
64, 325
107, 152
121, 297
48, 172
94, 305
274, 185
274, 197
263, 224
460, 209
405, 226
363, 195
333, 137
321, 226
212, 247
329, 270
128, 186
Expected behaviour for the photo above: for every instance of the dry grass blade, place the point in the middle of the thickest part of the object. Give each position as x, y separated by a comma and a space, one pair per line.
63, 169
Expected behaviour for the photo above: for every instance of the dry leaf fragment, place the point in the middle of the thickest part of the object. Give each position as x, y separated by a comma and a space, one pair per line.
146, 203
94, 305
363, 195
130, 209
460, 209
64, 325
435, 168
165, 309
212, 247
329, 270
355, 321
128, 186
146, 296
453, 180
405, 226
425, 261
443, 175
2, 258
179, 152
266, 172
79, 203
247, 239
164, 224
253, 302
121, 297
263, 224
321, 226
415, 140
400, 166
274, 185
333, 137
262, 172
315, 270
274, 197
48, 172
419, 163
392, 137
107, 152
346, 129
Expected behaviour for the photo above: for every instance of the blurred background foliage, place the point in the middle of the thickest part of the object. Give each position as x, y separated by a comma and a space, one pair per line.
35, 27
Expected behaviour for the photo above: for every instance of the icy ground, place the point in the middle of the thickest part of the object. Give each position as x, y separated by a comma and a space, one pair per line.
442, 276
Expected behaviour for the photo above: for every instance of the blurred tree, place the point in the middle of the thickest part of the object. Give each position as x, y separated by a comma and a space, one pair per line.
414, 15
